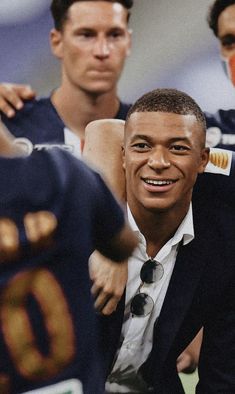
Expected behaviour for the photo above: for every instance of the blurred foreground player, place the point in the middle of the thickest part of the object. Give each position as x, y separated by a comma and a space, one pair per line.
54, 212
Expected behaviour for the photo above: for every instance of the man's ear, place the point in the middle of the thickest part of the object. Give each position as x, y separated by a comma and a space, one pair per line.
204, 160
56, 42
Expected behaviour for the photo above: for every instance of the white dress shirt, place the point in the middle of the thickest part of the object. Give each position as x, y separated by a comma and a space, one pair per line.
137, 331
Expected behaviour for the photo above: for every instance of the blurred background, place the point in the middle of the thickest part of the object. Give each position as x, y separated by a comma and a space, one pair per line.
172, 47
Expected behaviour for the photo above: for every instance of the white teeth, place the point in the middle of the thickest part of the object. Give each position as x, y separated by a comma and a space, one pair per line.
158, 183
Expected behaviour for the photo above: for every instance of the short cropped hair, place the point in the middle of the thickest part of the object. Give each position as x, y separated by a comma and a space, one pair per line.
59, 9
214, 12
168, 100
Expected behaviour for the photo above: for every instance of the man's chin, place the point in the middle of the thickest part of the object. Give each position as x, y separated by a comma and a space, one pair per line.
157, 208
99, 88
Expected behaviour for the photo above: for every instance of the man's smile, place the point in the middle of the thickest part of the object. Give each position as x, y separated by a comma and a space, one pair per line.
157, 185
158, 182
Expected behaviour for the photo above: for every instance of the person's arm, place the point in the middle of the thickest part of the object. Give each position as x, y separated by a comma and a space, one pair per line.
116, 241
12, 97
109, 282
103, 150
7, 146
187, 362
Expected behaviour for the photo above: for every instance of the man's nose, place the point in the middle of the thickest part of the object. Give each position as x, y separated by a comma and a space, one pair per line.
101, 48
159, 159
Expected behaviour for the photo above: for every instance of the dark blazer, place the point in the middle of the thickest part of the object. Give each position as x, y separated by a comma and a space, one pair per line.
201, 293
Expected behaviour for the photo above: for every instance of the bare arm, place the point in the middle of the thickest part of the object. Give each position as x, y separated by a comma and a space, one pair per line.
12, 96
188, 360
109, 278
7, 146
103, 150
109, 281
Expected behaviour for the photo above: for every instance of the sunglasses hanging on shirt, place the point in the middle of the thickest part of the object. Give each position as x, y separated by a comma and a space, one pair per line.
142, 304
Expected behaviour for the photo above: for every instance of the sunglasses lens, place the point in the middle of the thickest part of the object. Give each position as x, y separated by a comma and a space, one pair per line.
151, 271
142, 305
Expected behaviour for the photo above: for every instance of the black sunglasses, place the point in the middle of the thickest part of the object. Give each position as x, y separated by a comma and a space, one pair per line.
142, 304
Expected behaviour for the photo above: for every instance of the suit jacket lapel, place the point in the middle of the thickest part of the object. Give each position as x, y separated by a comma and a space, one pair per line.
185, 278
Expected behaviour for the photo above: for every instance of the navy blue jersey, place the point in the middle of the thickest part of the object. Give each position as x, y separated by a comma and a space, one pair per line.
54, 212
39, 124
221, 129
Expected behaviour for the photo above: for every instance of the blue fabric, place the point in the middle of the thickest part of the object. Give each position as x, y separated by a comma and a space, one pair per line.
39, 122
221, 129
87, 217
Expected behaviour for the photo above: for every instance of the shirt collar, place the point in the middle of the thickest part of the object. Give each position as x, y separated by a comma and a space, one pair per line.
184, 232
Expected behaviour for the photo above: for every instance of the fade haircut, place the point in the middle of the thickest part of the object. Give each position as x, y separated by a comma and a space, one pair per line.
59, 9
214, 12
168, 100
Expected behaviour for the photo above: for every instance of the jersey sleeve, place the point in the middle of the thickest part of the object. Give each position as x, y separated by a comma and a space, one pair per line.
89, 207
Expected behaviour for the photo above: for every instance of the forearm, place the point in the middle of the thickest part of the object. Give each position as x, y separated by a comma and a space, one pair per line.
103, 150
188, 360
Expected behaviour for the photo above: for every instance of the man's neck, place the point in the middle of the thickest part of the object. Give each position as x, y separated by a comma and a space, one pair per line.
158, 227
77, 108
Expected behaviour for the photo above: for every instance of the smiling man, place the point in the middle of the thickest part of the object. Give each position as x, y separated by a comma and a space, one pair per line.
183, 263
164, 183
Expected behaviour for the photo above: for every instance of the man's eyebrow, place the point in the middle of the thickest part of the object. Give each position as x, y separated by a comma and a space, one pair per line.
150, 138
227, 37
180, 138
141, 137
117, 28
84, 28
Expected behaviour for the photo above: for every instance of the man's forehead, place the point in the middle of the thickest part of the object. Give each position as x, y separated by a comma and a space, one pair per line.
155, 117
86, 6
226, 21
149, 124
97, 12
